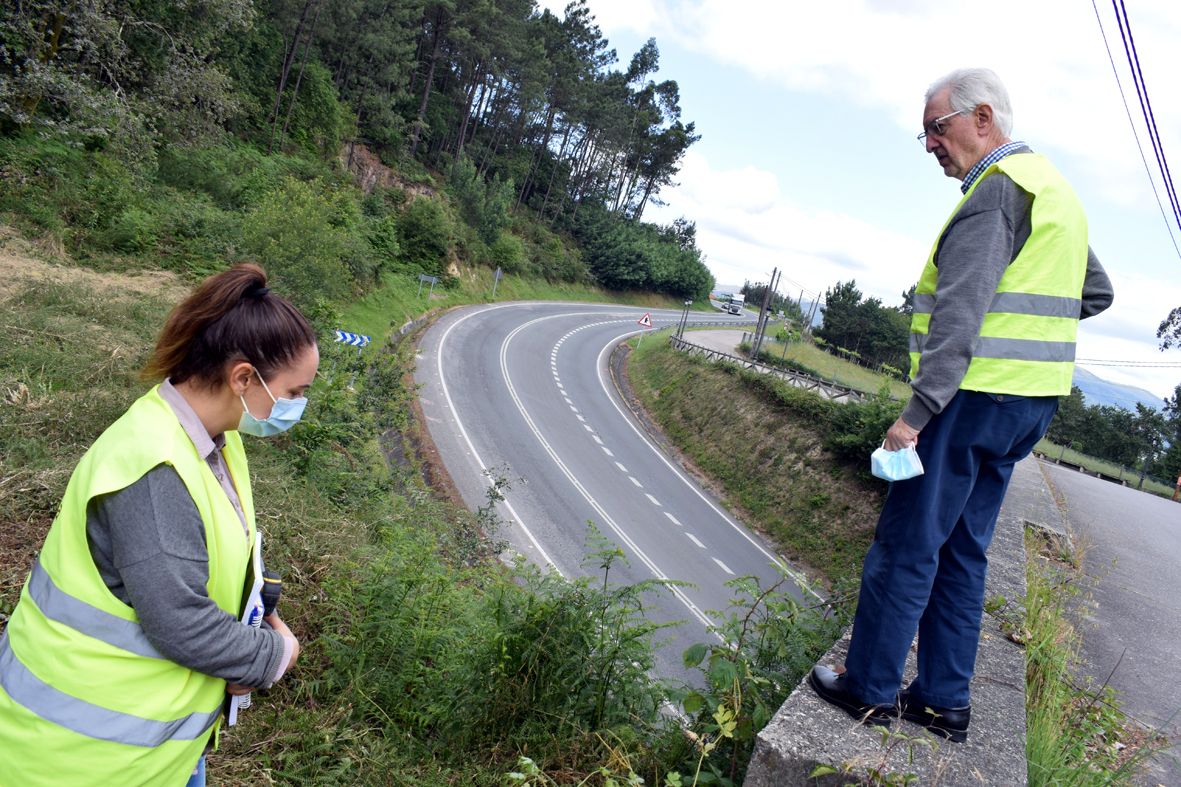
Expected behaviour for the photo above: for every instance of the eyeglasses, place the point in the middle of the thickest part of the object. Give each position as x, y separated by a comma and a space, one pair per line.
937, 126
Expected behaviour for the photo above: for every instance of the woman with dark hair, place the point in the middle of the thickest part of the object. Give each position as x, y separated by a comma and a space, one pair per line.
117, 660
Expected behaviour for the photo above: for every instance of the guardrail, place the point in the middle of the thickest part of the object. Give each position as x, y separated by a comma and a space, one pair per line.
829, 390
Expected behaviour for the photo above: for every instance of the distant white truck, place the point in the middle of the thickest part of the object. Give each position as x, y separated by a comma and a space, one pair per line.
735, 304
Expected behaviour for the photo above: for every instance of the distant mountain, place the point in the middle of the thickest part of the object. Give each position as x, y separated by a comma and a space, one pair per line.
1096, 390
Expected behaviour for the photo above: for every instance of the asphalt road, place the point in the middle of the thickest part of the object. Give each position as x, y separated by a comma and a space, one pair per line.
1132, 544
523, 389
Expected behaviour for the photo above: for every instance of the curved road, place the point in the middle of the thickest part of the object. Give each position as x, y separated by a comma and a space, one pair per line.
523, 390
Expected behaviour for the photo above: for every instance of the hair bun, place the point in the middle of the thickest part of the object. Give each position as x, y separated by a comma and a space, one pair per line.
256, 290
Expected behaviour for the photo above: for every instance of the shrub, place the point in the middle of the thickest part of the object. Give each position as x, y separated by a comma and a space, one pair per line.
508, 253
296, 232
425, 234
134, 230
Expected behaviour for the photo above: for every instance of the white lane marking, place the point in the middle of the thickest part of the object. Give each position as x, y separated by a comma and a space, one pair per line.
724, 567
621, 467
472, 448
588, 428
655, 502
693, 538
579, 417
673, 519
607, 451
634, 481
582, 490
567, 398
800, 579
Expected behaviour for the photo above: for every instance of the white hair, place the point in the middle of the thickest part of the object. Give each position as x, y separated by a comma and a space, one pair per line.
971, 87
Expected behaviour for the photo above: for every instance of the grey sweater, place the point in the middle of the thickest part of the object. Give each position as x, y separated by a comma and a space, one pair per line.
974, 251
148, 542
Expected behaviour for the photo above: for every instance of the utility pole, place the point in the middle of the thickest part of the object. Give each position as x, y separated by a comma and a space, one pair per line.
761, 326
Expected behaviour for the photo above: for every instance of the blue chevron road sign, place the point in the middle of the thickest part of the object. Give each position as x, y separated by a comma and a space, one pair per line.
354, 339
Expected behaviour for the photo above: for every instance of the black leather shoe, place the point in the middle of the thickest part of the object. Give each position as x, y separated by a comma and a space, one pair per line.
832, 689
950, 723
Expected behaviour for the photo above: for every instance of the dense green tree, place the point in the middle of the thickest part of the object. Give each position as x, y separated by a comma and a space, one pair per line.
865, 327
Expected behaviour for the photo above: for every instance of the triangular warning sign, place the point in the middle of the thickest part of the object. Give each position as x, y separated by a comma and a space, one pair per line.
646, 320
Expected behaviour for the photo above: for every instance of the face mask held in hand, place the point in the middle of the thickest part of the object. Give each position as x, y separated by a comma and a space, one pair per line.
895, 465
284, 414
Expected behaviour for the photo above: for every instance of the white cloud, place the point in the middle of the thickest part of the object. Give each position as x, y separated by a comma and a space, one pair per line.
881, 54
747, 226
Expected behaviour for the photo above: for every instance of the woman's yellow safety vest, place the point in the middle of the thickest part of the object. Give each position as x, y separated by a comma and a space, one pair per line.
85, 699
1026, 343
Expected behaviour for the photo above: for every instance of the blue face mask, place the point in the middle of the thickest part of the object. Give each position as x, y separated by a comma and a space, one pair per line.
284, 414
896, 465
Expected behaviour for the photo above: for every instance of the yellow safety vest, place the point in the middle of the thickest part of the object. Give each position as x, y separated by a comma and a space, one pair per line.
85, 699
1027, 341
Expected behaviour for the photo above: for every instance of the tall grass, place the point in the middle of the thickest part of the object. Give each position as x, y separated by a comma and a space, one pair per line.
1075, 735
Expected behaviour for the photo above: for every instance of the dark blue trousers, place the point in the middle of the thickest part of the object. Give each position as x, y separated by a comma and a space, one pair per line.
926, 567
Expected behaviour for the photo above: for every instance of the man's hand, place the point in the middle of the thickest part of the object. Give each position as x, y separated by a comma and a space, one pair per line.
276, 623
900, 435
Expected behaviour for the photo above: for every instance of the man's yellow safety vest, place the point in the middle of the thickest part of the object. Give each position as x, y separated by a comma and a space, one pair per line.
85, 699
1026, 343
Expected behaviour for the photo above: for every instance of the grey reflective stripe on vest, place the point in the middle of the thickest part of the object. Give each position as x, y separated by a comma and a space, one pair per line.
88, 719
61, 607
1015, 303
1023, 350
1009, 349
1037, 305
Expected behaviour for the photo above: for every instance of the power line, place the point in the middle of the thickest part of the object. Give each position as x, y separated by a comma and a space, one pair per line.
1129, 364
1135, 134
1158, 147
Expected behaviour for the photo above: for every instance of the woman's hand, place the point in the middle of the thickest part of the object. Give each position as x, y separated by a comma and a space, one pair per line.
276, 623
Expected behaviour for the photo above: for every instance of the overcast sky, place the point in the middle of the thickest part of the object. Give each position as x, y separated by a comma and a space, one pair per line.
808, 160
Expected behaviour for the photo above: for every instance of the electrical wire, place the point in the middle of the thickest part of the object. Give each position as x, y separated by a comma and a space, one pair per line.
1158, 147
1129, 364
1135, 134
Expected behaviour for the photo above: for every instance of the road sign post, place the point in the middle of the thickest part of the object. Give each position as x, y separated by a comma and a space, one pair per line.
496, 280
432, 279
646, 323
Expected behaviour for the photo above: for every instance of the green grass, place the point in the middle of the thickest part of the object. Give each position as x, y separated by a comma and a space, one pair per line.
770, 459
1076, 735
829, 367
1054, 451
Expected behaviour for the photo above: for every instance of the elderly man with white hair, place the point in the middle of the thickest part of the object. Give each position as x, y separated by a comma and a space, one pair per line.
992, 343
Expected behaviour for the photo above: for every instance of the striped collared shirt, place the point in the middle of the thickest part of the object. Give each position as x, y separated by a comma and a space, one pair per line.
208, 447
996, 155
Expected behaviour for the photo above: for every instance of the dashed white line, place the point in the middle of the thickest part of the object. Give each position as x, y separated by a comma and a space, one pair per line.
654, 501
579, 417
693, 538
724, 567
622, 469
588, 428
596, 438
634, 481
567, 398
673, 519
607, 451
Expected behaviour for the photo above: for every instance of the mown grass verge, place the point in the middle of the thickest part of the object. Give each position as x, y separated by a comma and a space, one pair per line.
792, 463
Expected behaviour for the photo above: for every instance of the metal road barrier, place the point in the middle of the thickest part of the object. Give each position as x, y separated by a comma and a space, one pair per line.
829, 390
